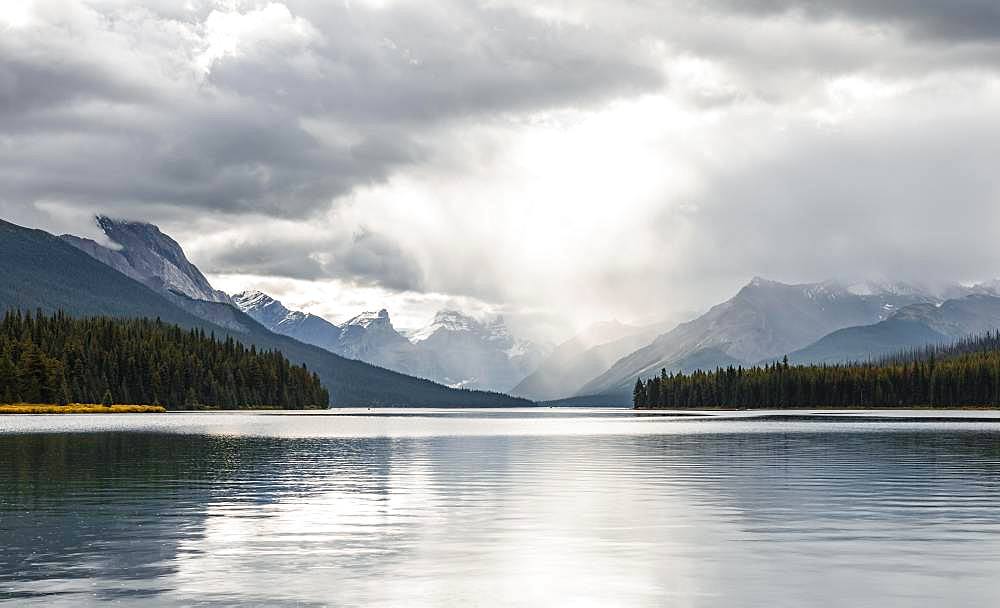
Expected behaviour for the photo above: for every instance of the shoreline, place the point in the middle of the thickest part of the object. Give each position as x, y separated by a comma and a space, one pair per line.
79, 408
922, 408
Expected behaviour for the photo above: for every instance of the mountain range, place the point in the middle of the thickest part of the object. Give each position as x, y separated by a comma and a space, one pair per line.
41, 271
815, 322
912, 327
367, 361
455, 349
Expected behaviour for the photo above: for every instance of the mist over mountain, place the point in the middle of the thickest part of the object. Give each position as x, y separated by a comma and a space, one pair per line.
582, 358
764, 319
911, 327
454, 348
460, 350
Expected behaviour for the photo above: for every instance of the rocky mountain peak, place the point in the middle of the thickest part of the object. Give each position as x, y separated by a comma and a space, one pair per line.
141, 251
370, 319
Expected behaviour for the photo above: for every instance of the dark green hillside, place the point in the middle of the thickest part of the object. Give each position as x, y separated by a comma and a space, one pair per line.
39, 271
910, 327
59, 359
868, 342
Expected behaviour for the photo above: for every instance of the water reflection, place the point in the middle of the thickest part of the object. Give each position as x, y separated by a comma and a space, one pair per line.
745, 513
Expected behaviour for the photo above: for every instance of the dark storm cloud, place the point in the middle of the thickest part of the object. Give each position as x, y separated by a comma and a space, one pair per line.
244, 115
276, 257
151, 111
236, 142
250, 160
365, 258
28, 86
952, 20
423, 62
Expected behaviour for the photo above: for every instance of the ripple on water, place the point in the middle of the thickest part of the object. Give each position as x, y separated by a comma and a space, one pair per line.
501, 508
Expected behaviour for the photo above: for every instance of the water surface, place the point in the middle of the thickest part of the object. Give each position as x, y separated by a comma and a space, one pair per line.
500, 507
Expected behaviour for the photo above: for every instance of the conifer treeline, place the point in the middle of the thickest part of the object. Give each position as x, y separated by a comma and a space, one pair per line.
59, 359
964, 374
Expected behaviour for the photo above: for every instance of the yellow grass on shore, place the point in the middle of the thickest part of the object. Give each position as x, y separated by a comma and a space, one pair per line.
78, 408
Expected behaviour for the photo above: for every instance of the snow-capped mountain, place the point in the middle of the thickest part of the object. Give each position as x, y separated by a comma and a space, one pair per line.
765, 319
445, 321
302, 326
464, 351
147, 255
911, 327
454, 349
368, 337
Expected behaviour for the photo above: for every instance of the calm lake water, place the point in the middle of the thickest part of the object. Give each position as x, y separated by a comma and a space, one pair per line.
511, 507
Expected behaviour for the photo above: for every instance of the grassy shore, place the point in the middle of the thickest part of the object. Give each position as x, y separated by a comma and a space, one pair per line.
78, 408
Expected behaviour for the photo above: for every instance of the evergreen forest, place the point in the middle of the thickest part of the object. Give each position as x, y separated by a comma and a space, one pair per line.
60, 359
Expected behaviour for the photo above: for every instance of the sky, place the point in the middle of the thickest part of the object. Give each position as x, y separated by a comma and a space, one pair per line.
557, 162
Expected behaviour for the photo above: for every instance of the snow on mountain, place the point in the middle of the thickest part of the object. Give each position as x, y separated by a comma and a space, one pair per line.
911, 327
463, 351
445, 320
367, 318
454, 349
990, 288
144, 253
368, 337
371, 337
764, 319
264, 309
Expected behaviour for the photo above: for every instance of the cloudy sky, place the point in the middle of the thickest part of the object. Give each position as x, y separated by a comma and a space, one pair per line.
559, 161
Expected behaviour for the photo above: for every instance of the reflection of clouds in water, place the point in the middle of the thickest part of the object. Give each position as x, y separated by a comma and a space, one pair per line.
737, 513
452, 519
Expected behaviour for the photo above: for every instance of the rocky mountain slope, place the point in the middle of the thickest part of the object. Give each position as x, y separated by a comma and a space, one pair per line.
454, 349
909, 328
147, 255
765, 319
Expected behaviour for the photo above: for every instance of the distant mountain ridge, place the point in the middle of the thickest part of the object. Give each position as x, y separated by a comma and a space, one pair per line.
764, 319
368, 337
454, 348
911, 327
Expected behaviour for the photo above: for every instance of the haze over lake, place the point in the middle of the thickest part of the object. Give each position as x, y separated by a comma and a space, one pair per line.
501, 507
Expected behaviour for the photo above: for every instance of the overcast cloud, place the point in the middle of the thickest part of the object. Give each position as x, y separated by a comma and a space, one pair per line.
560, 162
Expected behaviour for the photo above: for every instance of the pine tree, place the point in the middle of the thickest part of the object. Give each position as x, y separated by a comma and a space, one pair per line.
639, 395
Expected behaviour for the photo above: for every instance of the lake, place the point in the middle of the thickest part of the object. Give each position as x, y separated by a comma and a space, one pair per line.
500, 508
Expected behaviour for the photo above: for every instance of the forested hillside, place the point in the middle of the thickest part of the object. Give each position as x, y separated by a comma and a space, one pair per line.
59, 359
964, 374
